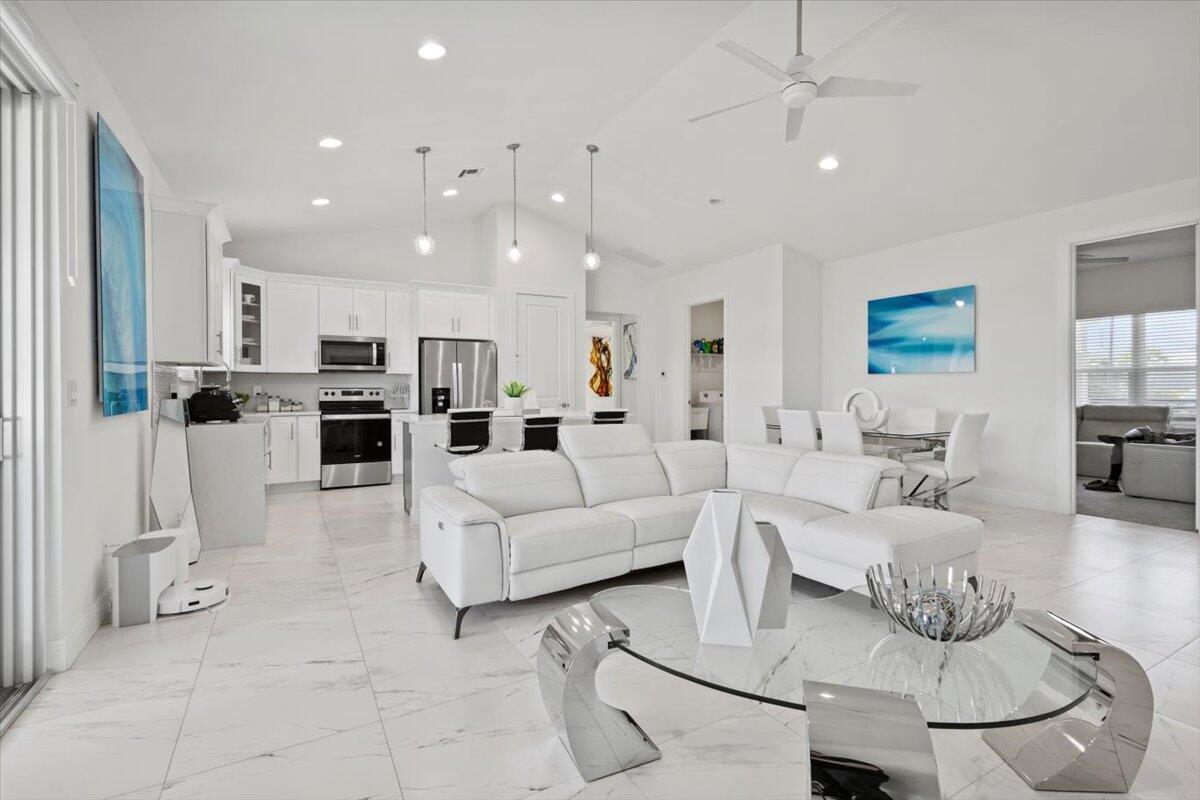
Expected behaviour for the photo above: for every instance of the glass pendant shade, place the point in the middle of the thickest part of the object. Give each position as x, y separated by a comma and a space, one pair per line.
514, 253
591, 260
424, 244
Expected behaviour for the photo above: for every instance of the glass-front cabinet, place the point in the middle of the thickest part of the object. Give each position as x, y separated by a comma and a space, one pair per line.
249, 321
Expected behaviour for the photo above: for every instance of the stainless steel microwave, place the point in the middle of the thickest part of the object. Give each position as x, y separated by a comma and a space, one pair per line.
353, 354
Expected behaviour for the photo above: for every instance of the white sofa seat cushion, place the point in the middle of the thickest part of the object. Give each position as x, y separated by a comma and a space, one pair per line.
547, 538
760, 467
519, 483
788, 514
613, 462
659, 519
692, 466
913, 535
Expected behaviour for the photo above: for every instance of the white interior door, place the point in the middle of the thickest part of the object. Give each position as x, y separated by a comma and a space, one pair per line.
544, 336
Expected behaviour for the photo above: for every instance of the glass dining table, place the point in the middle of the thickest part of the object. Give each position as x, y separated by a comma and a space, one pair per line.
1042, 689
891, 439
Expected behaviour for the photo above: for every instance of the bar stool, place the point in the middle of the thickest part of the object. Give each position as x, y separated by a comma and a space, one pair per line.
610, 416
538, 432
468, 431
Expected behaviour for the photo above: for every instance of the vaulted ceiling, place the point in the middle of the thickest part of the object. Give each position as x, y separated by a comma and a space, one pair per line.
1024, 107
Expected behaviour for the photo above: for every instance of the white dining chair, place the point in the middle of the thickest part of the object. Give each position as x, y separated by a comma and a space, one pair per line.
840, 433
960, 467
797, 428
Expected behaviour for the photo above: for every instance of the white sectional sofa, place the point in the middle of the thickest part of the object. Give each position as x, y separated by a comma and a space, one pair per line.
518, 525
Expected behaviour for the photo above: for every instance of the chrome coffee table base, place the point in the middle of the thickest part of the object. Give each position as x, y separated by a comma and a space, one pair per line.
868, 743
1096, 747
859, 739
600, 738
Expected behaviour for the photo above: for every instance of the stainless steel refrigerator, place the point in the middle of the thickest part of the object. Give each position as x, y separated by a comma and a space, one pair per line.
460, 372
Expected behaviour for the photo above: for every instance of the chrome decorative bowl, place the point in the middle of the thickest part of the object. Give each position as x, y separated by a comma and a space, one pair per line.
935, 604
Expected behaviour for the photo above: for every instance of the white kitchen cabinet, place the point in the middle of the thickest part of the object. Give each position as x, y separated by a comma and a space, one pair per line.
186, 243
454, 315
399, 333
249, 303
337, 311
282, 450
308, 454
370, 313
292, 324
397, 446
353, 312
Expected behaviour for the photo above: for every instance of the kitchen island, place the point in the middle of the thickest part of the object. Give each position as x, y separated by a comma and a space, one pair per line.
425, 464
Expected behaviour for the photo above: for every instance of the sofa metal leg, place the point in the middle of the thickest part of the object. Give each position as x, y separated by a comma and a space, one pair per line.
420, 572
462, 612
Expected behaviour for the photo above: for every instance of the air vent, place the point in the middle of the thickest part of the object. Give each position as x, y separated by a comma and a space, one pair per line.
638, 257
470, 172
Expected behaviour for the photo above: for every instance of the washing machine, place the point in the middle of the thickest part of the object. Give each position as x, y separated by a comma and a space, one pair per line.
714, 401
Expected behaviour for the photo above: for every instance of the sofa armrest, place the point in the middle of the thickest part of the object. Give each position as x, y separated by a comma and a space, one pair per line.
464, 545
457, 506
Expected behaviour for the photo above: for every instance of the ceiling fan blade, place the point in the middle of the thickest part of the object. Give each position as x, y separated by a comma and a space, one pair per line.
731, 108
824, 67
758, 62
795, 117
865, 87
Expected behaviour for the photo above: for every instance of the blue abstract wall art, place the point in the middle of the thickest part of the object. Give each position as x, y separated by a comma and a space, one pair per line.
923, 332
120, 277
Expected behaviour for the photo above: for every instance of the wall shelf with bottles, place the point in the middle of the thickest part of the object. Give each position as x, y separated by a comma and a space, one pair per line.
708, 361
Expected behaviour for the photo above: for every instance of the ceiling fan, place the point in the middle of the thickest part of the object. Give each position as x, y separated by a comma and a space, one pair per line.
1088, 258
806, 79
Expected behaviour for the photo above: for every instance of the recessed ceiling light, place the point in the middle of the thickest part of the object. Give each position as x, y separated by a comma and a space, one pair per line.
558, 197
828, 163
330, 143
451, 192
431, 51
320, 201
715, 201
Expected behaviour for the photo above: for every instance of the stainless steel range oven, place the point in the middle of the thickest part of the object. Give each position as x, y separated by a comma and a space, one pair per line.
356, 438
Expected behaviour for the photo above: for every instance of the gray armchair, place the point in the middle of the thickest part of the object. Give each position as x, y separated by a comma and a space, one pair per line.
1092, 457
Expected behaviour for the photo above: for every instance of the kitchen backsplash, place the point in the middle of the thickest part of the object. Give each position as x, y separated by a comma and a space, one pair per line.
304, 387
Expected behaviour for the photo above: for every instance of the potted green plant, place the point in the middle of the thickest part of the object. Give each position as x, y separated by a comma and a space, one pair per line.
514, 391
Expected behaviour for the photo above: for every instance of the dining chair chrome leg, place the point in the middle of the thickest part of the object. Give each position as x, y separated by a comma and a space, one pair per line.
600, 738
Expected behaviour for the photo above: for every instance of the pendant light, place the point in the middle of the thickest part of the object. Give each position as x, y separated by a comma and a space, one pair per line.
514, 250
424, 244
591, 259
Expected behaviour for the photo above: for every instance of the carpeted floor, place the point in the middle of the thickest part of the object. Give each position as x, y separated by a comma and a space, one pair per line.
1168, 514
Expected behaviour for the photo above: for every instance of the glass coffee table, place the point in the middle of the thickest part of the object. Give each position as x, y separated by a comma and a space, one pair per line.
1065, 709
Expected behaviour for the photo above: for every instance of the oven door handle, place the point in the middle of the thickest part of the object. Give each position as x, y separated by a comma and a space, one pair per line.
341, 417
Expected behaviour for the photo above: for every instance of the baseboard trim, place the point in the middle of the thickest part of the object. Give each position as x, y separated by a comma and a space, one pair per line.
62, 652
1005, 497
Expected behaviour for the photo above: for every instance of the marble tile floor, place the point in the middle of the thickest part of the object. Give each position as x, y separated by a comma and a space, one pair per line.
330, 673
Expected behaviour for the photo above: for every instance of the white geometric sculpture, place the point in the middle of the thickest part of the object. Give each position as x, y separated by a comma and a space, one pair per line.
738, 571
874, 416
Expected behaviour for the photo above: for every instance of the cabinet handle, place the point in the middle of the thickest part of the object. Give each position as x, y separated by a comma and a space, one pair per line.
270, 464
221, 342
315, 363
292, 431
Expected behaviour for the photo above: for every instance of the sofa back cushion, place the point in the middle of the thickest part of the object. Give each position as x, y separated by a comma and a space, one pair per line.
613, 462
694, 466
1117, 419
760, 467
519, 483
846, 485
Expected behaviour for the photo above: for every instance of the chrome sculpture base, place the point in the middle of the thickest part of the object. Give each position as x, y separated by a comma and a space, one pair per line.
868, 743
1099, 745
601, 739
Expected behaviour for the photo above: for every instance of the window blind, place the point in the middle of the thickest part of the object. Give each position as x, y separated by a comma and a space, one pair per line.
1138, 359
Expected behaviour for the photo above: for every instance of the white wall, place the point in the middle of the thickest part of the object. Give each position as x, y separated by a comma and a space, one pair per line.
1019, 268
802, 315
751, 287
105, 461
1166, 285
385, 254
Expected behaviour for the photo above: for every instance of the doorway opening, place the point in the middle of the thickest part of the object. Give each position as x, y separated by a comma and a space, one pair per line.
1135, 378
602, 351
706, 370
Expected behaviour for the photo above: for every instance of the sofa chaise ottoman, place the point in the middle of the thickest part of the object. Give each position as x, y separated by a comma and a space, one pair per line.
519, 525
